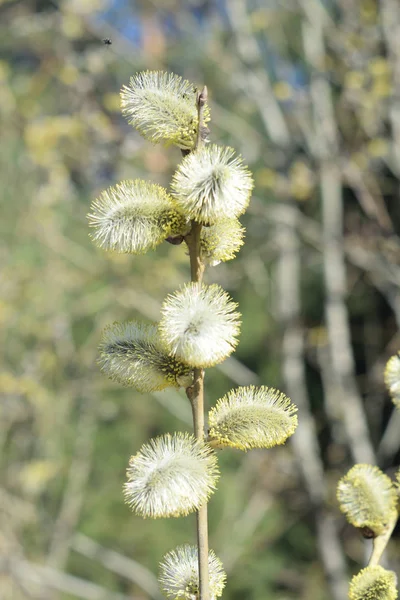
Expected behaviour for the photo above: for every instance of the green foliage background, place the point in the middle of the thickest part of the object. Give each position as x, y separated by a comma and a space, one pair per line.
66, 433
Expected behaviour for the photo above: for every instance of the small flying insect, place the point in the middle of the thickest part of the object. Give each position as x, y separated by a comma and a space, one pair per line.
107, 42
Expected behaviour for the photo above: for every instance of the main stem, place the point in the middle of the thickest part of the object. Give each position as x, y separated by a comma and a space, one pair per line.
196, 391
381, 542
196, 396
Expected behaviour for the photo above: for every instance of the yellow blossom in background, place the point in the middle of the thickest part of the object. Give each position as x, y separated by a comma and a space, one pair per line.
72, 26
360, 159
266, 178
111, 102
317, 336
378, 148
283, 90
84, 7
379, 66
260, 19
35, 476
101, 123
43, 136
354, 80
382, 87
368, 11
5, 70
69, 74
301, 181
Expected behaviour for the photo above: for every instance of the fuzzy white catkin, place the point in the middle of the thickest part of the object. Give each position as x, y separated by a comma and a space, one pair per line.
132, 354
133, 217
199, 324
171, 476
179, 574
373, 583
220, 242
252, 417
212, 184
367, 497
162, 107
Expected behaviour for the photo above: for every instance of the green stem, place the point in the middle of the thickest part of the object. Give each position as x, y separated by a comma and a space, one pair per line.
196, 392
193, 242
196, 395
381, 542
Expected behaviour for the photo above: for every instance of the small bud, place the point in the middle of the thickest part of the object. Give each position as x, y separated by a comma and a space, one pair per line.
133, 355
175, 240
202, 96
171, 476
252, 417
221, 242
199, 324
367, 497
179, 574
212, 184
373, 583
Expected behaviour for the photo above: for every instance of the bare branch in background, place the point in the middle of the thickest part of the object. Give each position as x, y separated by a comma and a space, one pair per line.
116, 562
337, 317
372, 204
245, 525
390, 442
305, 441
75, 489
254, 78
391, 29
47, 578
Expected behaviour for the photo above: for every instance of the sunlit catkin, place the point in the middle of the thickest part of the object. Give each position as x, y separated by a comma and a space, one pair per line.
212, 184
133, 217
179, 574
368, 498
373, 583
200, 325
221, 242
252, 417
171, 476
162, 107
132, 354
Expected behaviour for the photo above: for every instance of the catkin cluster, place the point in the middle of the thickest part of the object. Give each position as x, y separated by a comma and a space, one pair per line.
175, 474
370, 501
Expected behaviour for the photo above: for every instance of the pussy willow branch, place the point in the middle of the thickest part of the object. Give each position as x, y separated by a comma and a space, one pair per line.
123, 566
196, 392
